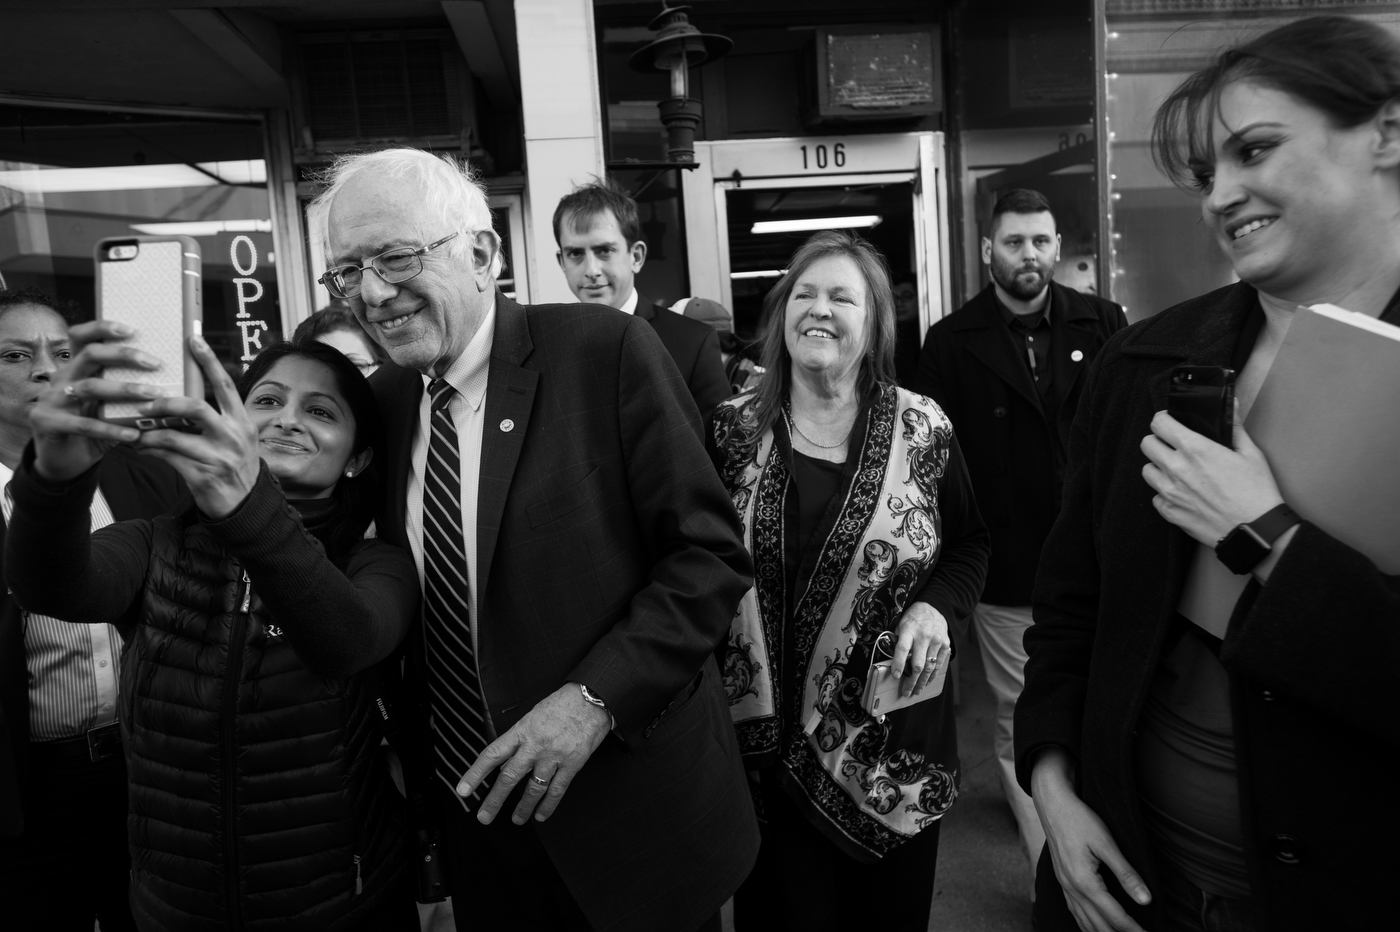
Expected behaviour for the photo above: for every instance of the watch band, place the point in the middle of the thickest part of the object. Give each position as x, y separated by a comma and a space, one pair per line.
1271, 525
1248, 545
590, 697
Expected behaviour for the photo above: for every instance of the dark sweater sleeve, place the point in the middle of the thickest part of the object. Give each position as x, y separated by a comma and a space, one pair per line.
1323, 632
57, 566
339, 623
955, 584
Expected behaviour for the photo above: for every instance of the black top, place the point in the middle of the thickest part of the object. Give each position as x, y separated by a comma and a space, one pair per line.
956, 581
817, 481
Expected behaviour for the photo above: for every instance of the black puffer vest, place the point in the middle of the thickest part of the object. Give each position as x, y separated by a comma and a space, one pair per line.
258, 799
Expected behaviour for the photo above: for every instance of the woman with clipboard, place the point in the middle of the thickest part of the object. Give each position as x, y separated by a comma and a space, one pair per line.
1202, 757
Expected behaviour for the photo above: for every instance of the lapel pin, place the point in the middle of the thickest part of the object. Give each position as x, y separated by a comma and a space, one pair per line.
508, 425
1077, 355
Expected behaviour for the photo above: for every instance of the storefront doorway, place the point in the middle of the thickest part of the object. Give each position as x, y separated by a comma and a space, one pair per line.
751, 203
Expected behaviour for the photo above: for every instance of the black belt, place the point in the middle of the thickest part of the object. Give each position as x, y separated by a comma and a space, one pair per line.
99, 744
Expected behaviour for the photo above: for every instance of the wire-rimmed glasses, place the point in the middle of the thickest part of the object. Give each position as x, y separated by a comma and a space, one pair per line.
394, 266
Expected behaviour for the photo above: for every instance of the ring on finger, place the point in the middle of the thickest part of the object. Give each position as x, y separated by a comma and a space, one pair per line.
535, 779
69, 391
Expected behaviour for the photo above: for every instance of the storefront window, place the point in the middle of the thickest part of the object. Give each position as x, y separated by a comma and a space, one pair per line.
70, 178
1161, 252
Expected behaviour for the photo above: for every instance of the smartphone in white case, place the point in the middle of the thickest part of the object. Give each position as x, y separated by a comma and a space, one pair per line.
882, 691
154, 285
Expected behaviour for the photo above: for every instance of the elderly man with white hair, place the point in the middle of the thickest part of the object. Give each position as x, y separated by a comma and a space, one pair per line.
580, 561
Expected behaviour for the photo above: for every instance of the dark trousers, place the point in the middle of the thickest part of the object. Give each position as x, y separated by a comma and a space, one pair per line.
1188, 908
71, 865
502, 876
804, 883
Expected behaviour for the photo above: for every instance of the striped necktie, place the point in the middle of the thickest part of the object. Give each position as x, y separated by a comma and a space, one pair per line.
454, 698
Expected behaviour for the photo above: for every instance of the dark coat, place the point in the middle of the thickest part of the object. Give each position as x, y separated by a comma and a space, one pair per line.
134, 486
608, 554
258, 796
1310, 656
972, 366
694, 347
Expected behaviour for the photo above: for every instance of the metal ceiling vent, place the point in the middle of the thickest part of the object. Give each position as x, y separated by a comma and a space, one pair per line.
373, 86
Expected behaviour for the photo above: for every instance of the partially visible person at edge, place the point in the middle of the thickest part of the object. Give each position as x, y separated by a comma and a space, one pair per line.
1008, 368
254, 620
63, 854
601, 250
1187, 782
858, 512
334, 325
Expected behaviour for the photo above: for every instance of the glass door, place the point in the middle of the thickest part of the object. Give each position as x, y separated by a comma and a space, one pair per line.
753, 202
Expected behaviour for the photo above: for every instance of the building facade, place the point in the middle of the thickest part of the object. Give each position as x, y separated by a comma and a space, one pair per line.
903, 117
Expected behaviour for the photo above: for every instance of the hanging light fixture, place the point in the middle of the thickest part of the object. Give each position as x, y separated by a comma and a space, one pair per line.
677, 48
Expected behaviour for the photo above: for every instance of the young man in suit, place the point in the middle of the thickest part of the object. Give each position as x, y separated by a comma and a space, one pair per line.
1007, 368
601, 251
63, 845
580, 560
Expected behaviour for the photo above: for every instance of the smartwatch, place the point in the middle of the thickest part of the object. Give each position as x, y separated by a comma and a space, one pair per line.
1247, 545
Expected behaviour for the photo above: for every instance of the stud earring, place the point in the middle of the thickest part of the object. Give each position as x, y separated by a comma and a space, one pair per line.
349, 473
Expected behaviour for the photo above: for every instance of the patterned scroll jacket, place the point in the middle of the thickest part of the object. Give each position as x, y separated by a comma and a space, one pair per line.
258, 799
902, 527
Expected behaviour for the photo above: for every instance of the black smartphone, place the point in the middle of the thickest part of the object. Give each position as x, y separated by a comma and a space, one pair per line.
1202, 398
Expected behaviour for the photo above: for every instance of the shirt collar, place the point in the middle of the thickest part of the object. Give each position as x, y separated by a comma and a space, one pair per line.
1029, 321
468, 372
630, 305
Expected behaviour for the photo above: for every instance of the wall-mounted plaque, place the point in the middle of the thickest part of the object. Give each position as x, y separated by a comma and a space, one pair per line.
879, 72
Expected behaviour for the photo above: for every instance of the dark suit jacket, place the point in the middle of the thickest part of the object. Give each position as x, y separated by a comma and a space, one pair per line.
972, 366
1311, 658
134, 486
694, 346
608, 554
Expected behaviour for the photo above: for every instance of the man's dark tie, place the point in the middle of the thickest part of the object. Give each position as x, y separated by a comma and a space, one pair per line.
454, 686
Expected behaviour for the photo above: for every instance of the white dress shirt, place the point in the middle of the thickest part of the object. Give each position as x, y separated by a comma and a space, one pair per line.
73, 669
630, 305
467, 407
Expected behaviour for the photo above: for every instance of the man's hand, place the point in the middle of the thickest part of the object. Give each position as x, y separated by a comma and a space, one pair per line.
1079, 842
547, 747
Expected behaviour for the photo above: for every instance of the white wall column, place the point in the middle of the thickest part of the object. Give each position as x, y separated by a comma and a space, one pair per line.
563, 126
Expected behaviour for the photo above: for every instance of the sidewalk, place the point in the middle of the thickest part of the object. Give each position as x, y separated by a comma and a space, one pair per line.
983, 882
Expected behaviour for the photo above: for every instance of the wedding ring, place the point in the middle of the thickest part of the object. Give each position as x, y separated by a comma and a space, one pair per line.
537, 781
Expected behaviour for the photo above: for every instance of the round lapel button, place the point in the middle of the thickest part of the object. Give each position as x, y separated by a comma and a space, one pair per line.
507, 426
1077, 355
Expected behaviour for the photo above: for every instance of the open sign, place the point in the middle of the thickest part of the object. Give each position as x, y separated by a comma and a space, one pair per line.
248, 291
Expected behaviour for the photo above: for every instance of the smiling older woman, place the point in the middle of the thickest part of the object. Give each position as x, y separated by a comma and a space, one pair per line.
860, 518
1185, 781
255, 621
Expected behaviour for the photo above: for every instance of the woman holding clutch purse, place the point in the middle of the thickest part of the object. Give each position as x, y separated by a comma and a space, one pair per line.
1204, 757
859, 514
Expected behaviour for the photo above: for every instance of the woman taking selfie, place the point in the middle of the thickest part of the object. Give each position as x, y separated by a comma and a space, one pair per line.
253, 624
859, 514
1188, 781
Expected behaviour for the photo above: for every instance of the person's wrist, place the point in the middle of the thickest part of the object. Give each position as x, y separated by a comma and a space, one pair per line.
1052, 772
593, 699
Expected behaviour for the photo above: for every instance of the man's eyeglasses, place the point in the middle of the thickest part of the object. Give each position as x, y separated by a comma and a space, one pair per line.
394, 267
